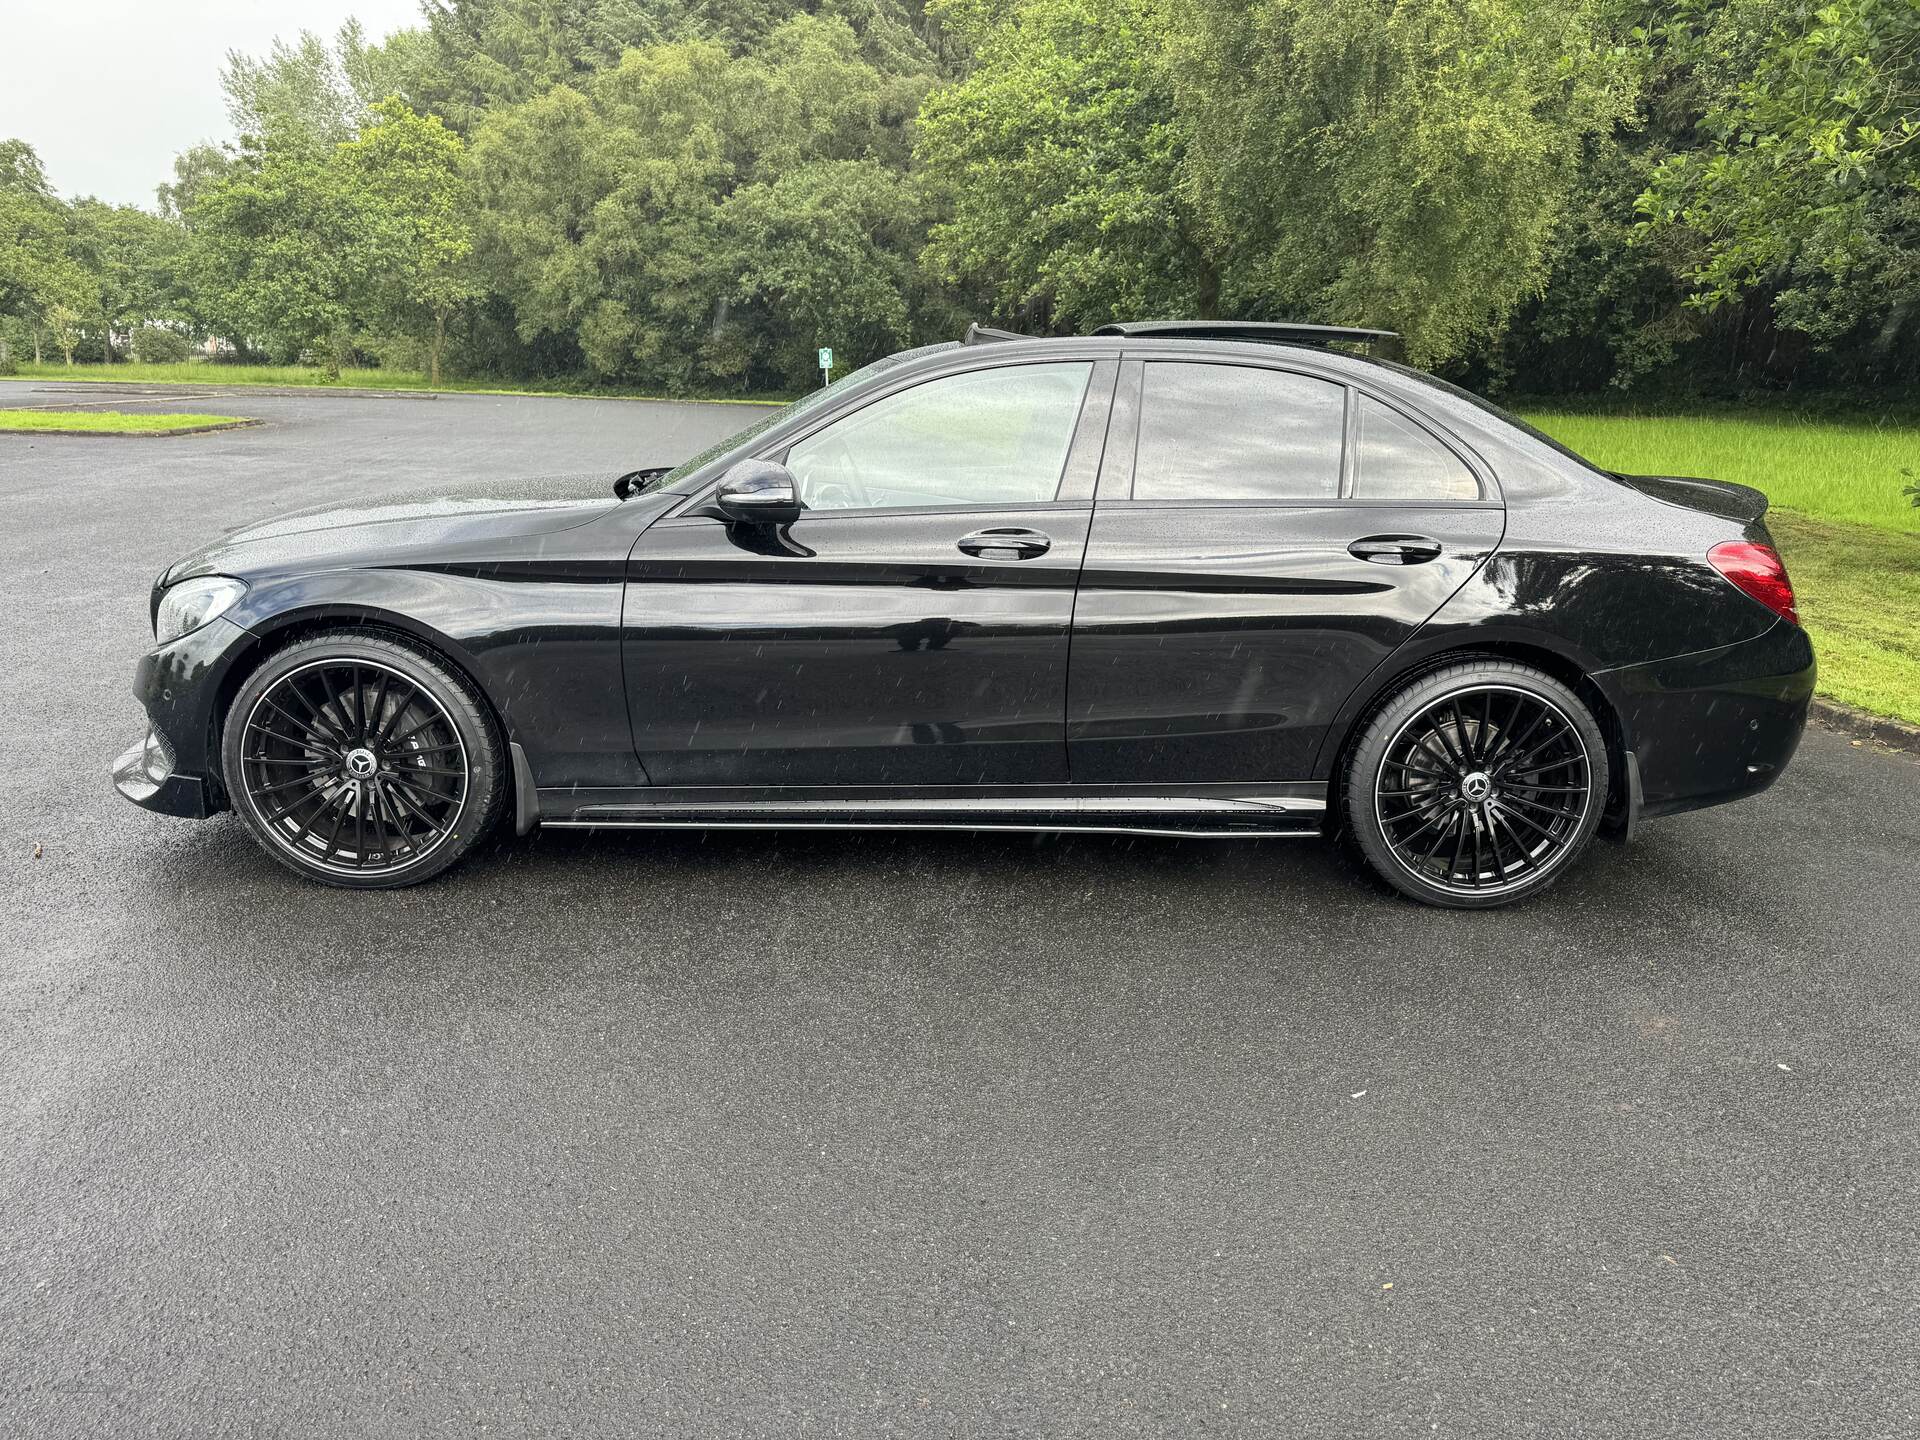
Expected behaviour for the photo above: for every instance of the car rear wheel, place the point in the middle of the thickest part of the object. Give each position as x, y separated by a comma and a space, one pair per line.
1477, 785
362, 761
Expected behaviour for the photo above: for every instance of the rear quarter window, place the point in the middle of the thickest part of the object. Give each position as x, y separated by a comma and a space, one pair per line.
1395, 459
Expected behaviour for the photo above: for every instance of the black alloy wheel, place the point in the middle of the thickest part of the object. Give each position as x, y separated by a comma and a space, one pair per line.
362, 761
1477, 785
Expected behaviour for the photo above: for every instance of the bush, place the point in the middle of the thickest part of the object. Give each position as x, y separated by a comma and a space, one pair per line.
157, 345
391, 352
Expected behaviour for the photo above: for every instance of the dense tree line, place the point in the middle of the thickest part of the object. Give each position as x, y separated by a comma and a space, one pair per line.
694, 194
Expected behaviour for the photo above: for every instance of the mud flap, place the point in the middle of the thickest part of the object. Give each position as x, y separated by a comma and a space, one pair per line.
1620, 825
526, 799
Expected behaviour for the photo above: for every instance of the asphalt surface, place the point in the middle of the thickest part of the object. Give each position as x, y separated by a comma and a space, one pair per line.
750, 1134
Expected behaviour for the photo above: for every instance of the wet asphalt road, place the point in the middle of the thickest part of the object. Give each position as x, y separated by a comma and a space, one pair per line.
943, 1135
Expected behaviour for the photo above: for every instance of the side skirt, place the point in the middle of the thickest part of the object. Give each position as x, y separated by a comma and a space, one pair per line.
1222, 812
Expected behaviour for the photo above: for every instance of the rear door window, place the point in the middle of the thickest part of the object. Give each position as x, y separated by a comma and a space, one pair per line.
1234, 432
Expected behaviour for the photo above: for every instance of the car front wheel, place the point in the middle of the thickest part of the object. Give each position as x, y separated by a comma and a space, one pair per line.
1477, 785
362, 761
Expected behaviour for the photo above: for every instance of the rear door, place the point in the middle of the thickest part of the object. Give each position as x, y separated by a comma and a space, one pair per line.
1265, 535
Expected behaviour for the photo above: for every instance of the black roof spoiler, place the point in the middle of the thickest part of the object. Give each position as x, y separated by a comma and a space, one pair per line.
978, 334
1243, 330
1256, 330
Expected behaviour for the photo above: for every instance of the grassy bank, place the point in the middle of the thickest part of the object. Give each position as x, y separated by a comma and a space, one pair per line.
1859, 594
107, 422
201, 372
1829, 469
1850, 538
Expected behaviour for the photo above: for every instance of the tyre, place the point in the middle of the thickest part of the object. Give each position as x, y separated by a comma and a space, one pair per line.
1477, 785
362, 761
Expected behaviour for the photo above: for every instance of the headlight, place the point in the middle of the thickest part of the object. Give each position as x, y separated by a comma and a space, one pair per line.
192, 603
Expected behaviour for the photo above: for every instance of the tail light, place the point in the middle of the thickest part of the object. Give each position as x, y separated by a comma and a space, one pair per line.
1757, 570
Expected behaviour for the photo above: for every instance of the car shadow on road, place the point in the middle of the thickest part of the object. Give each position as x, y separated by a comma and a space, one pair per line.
663, 912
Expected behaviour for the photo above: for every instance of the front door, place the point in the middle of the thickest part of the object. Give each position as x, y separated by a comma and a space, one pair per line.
1270, 538
910, 629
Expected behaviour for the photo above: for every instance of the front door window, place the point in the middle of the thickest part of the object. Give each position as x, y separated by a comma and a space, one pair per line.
994, 437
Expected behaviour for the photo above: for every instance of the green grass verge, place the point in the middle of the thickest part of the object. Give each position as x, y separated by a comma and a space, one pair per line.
1828, 469
105, 422
201, 372
1851, 540
1859, 594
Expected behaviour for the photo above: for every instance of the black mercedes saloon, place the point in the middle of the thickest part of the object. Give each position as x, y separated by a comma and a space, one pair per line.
1173, 578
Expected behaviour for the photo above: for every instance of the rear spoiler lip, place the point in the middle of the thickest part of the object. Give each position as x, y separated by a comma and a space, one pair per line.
1724, 498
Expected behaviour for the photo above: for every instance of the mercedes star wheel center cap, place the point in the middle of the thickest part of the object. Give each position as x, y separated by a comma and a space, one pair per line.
361, 765
1475, 788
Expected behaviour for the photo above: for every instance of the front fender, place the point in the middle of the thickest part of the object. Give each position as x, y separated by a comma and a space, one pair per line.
541, 641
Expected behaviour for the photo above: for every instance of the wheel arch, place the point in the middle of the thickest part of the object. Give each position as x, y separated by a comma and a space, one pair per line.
292, 626
1557, 661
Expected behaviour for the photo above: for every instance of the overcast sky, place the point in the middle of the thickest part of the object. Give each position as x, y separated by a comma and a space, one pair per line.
109, 91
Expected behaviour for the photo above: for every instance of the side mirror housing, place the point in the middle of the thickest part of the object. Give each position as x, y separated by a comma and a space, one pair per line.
759, 492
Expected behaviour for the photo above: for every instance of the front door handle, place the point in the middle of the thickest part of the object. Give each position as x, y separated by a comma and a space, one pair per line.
1395, 549
1005, 544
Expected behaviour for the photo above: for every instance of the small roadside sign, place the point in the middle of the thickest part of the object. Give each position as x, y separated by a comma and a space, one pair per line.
826, 362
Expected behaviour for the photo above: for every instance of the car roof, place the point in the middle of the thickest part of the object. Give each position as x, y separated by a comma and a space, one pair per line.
1174, 339
1527, 461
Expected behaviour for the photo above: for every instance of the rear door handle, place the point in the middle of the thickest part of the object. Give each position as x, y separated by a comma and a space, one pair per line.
1395, 549
1008, 544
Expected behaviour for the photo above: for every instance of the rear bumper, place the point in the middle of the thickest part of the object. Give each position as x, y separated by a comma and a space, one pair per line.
1716, 725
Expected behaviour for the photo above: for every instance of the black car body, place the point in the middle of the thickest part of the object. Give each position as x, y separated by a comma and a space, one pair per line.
1247, 546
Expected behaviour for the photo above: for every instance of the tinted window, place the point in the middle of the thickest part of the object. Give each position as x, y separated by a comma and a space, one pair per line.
864, 375
1397, 460
1227, 432
992, 437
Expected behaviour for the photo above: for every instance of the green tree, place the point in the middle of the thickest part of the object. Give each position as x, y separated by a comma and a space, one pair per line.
289, 243
1392, 164
600, 210
1058, 162
63, 323
1358, 161
286, 247
38, 273
410, 169
1806, 183
486, 55
134, 257
21, 172
824, 255
298, 94
195, 170
398, 67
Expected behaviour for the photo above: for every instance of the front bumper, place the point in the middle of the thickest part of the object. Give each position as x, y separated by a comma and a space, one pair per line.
175, 769
1716, 725
144, 774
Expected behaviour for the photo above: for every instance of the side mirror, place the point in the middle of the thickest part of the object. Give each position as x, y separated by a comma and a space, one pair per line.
759, 492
